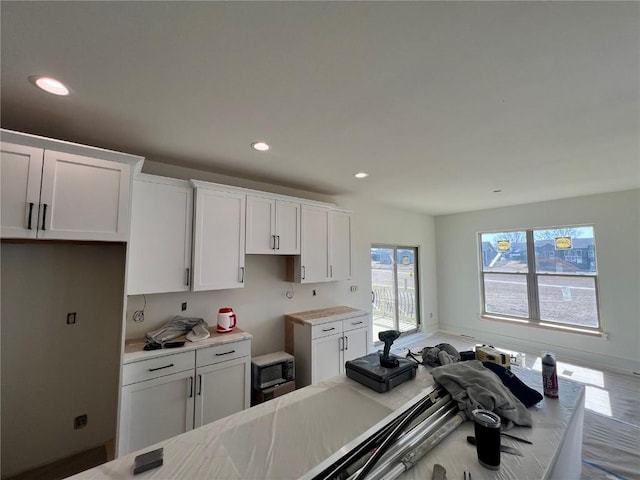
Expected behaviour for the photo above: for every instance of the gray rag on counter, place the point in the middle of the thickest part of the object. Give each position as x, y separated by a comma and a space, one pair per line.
474, 386
173, 329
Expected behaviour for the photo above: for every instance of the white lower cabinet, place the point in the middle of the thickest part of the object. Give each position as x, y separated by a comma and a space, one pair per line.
169, 395
321, 350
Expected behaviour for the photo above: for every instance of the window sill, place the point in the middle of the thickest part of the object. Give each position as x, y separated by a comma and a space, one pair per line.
547, 326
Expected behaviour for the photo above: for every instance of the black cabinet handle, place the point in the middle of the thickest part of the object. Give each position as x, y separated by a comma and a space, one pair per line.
273, 237
242, 275
160, 368
225, 353
30, 215
200, 385
187, 277
328, 329
44, 215
278, 237
356, 323
346, 343
304, 272
190, 387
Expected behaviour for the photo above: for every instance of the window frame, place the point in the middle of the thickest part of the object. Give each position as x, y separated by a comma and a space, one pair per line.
532, 277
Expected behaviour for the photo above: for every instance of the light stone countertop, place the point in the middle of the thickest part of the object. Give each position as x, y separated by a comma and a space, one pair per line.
290, 435
324, 315
133, 348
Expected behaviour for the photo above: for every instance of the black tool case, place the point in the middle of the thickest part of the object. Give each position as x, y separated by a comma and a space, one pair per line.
368, 371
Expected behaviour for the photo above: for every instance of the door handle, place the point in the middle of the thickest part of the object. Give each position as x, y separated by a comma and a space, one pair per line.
199, 385
341, 344
30, 215
186, 280
44, 215
346, 342
304, 272
328, 329
241, 274
190, 387
273, 237
330, 271
278, 237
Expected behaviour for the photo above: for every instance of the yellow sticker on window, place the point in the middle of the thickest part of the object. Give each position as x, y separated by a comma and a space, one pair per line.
563, 243
504, 245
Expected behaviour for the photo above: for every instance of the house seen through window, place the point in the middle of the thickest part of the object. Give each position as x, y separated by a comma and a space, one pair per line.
394, 289
544, 276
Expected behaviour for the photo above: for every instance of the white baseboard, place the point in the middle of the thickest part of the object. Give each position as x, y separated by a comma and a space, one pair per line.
588, 359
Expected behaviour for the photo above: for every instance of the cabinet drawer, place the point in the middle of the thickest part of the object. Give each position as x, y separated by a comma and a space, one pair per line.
355, 322
157, 367
326, 329
222, 353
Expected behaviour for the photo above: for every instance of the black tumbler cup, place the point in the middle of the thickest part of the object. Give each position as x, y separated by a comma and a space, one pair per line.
487, 431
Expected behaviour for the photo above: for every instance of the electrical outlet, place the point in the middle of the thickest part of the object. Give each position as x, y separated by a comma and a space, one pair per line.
184, 306
354, 288
80, 421
71, 318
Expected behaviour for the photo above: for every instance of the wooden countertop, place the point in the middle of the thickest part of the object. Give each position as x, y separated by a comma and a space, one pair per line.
134, 352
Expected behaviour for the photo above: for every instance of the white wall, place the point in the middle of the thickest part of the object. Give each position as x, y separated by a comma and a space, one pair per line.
51, 371
616, 217
262, 304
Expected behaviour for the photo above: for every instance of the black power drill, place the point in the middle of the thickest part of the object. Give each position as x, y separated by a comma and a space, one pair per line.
388, 337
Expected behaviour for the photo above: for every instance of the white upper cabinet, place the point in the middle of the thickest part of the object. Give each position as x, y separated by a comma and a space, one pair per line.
62, 191
325, 254
21, 176
273, 226
339, 245
218, 238
160, 244
312, 265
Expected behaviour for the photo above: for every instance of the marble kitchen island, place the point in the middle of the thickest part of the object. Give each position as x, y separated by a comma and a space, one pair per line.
288, 436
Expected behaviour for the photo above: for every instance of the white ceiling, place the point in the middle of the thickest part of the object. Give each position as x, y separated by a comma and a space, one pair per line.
440, 102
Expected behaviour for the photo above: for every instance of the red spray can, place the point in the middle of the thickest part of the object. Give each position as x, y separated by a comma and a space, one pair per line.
549, 376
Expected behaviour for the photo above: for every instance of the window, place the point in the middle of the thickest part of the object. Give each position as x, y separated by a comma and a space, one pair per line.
394, 289
545, 276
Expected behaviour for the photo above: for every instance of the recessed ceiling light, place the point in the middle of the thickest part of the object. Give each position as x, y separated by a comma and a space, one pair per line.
361, 175
260, 146
50, 85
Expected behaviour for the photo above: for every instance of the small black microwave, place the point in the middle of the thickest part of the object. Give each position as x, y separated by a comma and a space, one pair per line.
271, 369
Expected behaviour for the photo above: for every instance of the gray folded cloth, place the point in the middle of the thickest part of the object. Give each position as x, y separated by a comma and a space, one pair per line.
173, 329
474, 386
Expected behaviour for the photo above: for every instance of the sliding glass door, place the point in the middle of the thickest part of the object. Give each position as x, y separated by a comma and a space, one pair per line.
394, 288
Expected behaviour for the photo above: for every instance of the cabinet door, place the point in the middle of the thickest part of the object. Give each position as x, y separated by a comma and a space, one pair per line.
218, 244
356, 344
326, 357
154, 410
261, 225
340, 245
84, 198
20, 174
287, 228
160, 244
314, 254
222, 389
